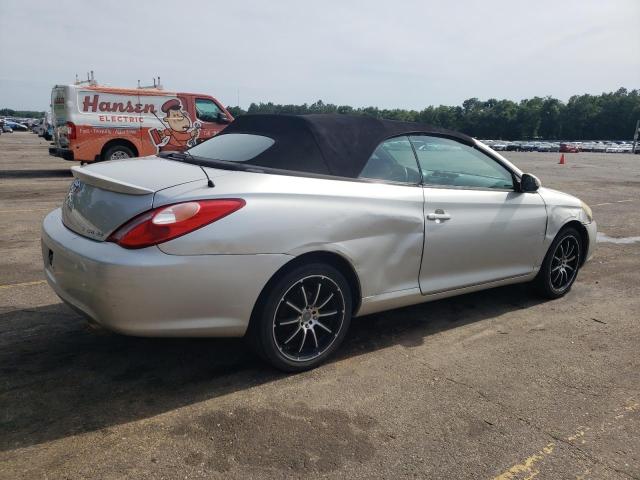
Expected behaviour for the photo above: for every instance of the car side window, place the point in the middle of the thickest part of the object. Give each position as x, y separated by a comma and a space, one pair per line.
207, 110
394, 161
449, 163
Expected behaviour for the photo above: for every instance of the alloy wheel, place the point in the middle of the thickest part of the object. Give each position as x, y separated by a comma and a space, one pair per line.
308, 318
564, 263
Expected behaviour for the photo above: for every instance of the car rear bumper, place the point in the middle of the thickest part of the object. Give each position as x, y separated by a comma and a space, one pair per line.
150, 293
65, 153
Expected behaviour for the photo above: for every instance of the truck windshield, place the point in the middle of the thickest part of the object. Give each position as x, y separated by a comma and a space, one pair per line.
233, 147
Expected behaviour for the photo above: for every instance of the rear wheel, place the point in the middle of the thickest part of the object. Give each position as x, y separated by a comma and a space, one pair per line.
560, 266
117, 152
304, 318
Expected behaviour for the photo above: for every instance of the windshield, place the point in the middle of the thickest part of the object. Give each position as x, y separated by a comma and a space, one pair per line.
232, 147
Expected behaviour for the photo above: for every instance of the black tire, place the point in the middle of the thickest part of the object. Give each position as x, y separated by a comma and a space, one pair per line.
282, 325
561, 264
118, 152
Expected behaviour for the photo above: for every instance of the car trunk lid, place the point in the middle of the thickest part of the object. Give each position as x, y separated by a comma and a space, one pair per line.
106, 195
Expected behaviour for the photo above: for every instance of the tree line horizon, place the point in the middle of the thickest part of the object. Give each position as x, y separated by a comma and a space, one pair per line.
608, 116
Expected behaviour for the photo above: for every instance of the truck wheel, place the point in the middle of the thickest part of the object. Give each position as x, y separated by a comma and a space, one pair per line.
118, 152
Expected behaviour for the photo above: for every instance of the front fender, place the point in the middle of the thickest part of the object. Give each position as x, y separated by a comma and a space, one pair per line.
563, 208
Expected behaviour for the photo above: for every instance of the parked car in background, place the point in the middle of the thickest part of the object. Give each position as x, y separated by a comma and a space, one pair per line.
618, 146
282, 228
46, 127
587, 147
612, 148
569, 148
16, 127
6, 128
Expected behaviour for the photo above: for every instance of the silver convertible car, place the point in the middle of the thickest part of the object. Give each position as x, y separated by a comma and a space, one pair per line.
282, 228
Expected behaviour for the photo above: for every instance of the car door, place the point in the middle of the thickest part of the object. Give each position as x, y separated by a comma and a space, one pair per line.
390, 235
478, 227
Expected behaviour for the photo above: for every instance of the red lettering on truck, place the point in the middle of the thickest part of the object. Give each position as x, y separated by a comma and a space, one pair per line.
93, 104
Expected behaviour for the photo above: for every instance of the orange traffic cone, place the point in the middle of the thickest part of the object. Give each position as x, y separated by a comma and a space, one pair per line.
561, 162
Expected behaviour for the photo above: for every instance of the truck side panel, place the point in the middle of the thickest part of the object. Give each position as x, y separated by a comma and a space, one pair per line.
147, 121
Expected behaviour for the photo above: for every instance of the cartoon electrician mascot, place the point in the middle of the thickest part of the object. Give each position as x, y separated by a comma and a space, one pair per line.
181, 133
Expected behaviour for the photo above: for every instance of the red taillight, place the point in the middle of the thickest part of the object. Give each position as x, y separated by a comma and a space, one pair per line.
171, 221
71, 131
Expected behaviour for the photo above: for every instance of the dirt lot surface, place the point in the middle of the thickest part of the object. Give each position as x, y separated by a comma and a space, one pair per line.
493, 384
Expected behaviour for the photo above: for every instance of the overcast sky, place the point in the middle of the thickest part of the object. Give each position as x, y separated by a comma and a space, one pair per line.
406, 54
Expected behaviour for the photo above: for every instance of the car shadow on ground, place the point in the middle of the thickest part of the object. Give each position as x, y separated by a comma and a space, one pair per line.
60, 173
59, 378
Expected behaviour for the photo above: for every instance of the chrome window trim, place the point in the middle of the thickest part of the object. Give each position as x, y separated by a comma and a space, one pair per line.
457, 187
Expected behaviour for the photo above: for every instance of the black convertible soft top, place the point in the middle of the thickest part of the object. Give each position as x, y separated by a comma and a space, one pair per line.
329, 144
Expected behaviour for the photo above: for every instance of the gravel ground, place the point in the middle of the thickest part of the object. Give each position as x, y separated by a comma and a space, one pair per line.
491, 384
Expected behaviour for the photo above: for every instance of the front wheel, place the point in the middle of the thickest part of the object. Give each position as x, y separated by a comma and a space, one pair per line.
304, 318
560, 266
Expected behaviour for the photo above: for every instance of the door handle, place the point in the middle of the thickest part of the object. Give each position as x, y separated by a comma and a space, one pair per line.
438, 215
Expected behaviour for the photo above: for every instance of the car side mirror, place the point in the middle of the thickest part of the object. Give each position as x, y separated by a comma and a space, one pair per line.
529, 183
222, 118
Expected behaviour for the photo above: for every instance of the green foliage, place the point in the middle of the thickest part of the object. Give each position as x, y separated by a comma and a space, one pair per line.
610, 116
8, 112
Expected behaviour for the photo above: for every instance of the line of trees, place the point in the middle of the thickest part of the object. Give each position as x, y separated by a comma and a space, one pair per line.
610, 116
8, 112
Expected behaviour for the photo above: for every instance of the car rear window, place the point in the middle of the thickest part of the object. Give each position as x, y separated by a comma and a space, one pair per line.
233, 147
274, 148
